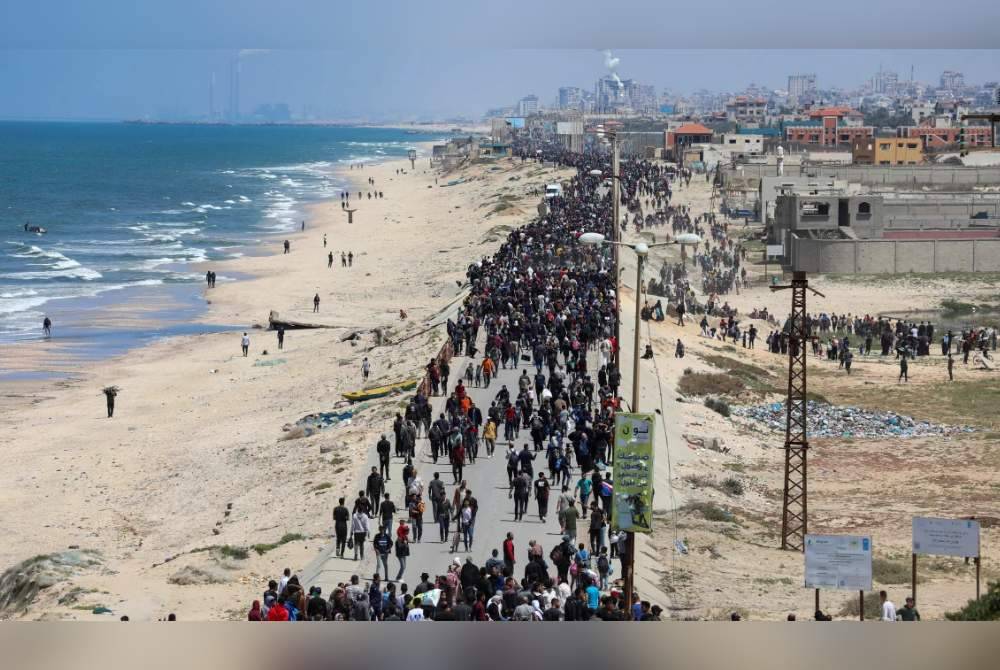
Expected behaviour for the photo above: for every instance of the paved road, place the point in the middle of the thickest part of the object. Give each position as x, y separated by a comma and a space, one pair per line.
487, 478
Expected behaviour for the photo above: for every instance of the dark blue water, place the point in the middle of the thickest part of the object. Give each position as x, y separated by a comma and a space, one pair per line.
127, 208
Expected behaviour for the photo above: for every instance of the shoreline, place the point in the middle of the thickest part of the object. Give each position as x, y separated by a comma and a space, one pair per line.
195, 456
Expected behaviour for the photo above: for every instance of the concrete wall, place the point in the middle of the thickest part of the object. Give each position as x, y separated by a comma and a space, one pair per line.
915, 256
894, 256
884, 175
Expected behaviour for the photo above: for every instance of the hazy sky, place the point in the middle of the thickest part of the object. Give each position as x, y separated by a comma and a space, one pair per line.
112, 59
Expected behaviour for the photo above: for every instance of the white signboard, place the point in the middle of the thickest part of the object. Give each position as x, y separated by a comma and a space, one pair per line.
775, 250
839, 562
945, 537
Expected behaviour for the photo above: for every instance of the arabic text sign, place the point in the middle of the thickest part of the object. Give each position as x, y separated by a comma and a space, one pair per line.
945, 537
839, 562
633, 496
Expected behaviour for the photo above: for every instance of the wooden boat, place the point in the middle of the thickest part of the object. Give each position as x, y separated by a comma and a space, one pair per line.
381, 391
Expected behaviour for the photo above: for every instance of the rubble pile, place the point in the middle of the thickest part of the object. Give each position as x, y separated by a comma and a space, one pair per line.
826, 420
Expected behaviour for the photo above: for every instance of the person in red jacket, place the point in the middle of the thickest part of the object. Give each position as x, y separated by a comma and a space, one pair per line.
277, 612
508, 552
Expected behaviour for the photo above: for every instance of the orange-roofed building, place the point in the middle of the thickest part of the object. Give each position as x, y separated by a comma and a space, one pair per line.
688, 134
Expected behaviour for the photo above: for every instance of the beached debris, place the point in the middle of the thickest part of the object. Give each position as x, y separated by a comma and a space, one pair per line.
21, 584
826, 420
311, 424
275, 322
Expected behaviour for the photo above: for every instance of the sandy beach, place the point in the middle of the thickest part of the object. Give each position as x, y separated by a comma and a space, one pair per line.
193, 461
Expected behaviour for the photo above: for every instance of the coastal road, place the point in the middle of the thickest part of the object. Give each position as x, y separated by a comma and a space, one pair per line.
487, 478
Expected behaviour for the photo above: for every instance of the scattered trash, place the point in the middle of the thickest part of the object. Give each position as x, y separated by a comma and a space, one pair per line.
681, 549
101, 610
269, 363
311, 424
826, 420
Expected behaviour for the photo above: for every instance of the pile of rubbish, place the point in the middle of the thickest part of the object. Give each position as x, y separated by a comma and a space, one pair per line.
311, 424
826, 420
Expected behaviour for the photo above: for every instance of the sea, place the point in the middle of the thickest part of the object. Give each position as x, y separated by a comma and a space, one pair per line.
128, 208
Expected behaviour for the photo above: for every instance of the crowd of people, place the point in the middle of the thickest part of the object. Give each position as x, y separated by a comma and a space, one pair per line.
544, 305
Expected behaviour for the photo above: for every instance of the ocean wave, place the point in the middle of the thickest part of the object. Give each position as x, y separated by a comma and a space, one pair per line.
86, 274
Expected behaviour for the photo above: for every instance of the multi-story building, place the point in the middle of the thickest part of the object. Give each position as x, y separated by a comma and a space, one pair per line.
570, 97
800, 84
528, 105
829, 126
887, 151
743, 109
937, 138
642, 97
609, 94
952, 80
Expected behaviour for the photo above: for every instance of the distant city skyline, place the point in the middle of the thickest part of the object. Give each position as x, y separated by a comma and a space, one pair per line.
400, 84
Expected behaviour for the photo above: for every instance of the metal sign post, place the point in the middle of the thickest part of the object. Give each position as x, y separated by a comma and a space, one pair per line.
945, 537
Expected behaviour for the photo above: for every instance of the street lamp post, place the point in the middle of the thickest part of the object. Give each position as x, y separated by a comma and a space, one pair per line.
641, 250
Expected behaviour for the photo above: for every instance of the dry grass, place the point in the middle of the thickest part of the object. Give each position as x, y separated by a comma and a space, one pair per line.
709, 383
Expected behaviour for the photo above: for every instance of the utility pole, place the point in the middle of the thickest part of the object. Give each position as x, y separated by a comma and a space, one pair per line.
629, 566
616, 237
794, 509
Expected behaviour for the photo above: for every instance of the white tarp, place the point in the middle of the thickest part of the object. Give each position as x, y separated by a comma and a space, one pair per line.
945, 537
775, 249
839, 562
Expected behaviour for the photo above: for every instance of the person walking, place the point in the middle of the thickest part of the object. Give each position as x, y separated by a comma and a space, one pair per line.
47, 327
341, 517
382, 544
444, 514
281, 338
329, 260
316, 303
366, 369
888, 608
402, 551
359, 529
245, 344
542, 496
951, 367
903, 369
288, 246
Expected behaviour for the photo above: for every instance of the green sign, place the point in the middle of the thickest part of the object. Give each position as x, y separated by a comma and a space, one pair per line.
632, 510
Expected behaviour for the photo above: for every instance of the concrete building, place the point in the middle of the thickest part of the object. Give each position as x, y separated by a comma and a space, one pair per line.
743, 144
745, 109
527, 105
828, 126
868, 234
686, 135
952, 80
800, 84
932, 137
570, 97
887, 151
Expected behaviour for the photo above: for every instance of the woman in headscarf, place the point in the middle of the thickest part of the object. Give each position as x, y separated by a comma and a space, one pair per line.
495, 609
255, 613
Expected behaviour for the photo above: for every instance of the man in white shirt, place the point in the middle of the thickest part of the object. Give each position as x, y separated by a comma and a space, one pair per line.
245, 343
888, 609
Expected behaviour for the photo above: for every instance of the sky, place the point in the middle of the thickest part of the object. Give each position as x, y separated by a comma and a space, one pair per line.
393, 60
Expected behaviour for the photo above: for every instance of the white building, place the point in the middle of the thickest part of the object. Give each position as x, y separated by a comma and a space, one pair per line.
528, 105
743, 145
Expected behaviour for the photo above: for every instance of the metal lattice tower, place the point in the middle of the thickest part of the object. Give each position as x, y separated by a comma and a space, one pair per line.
794, 510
